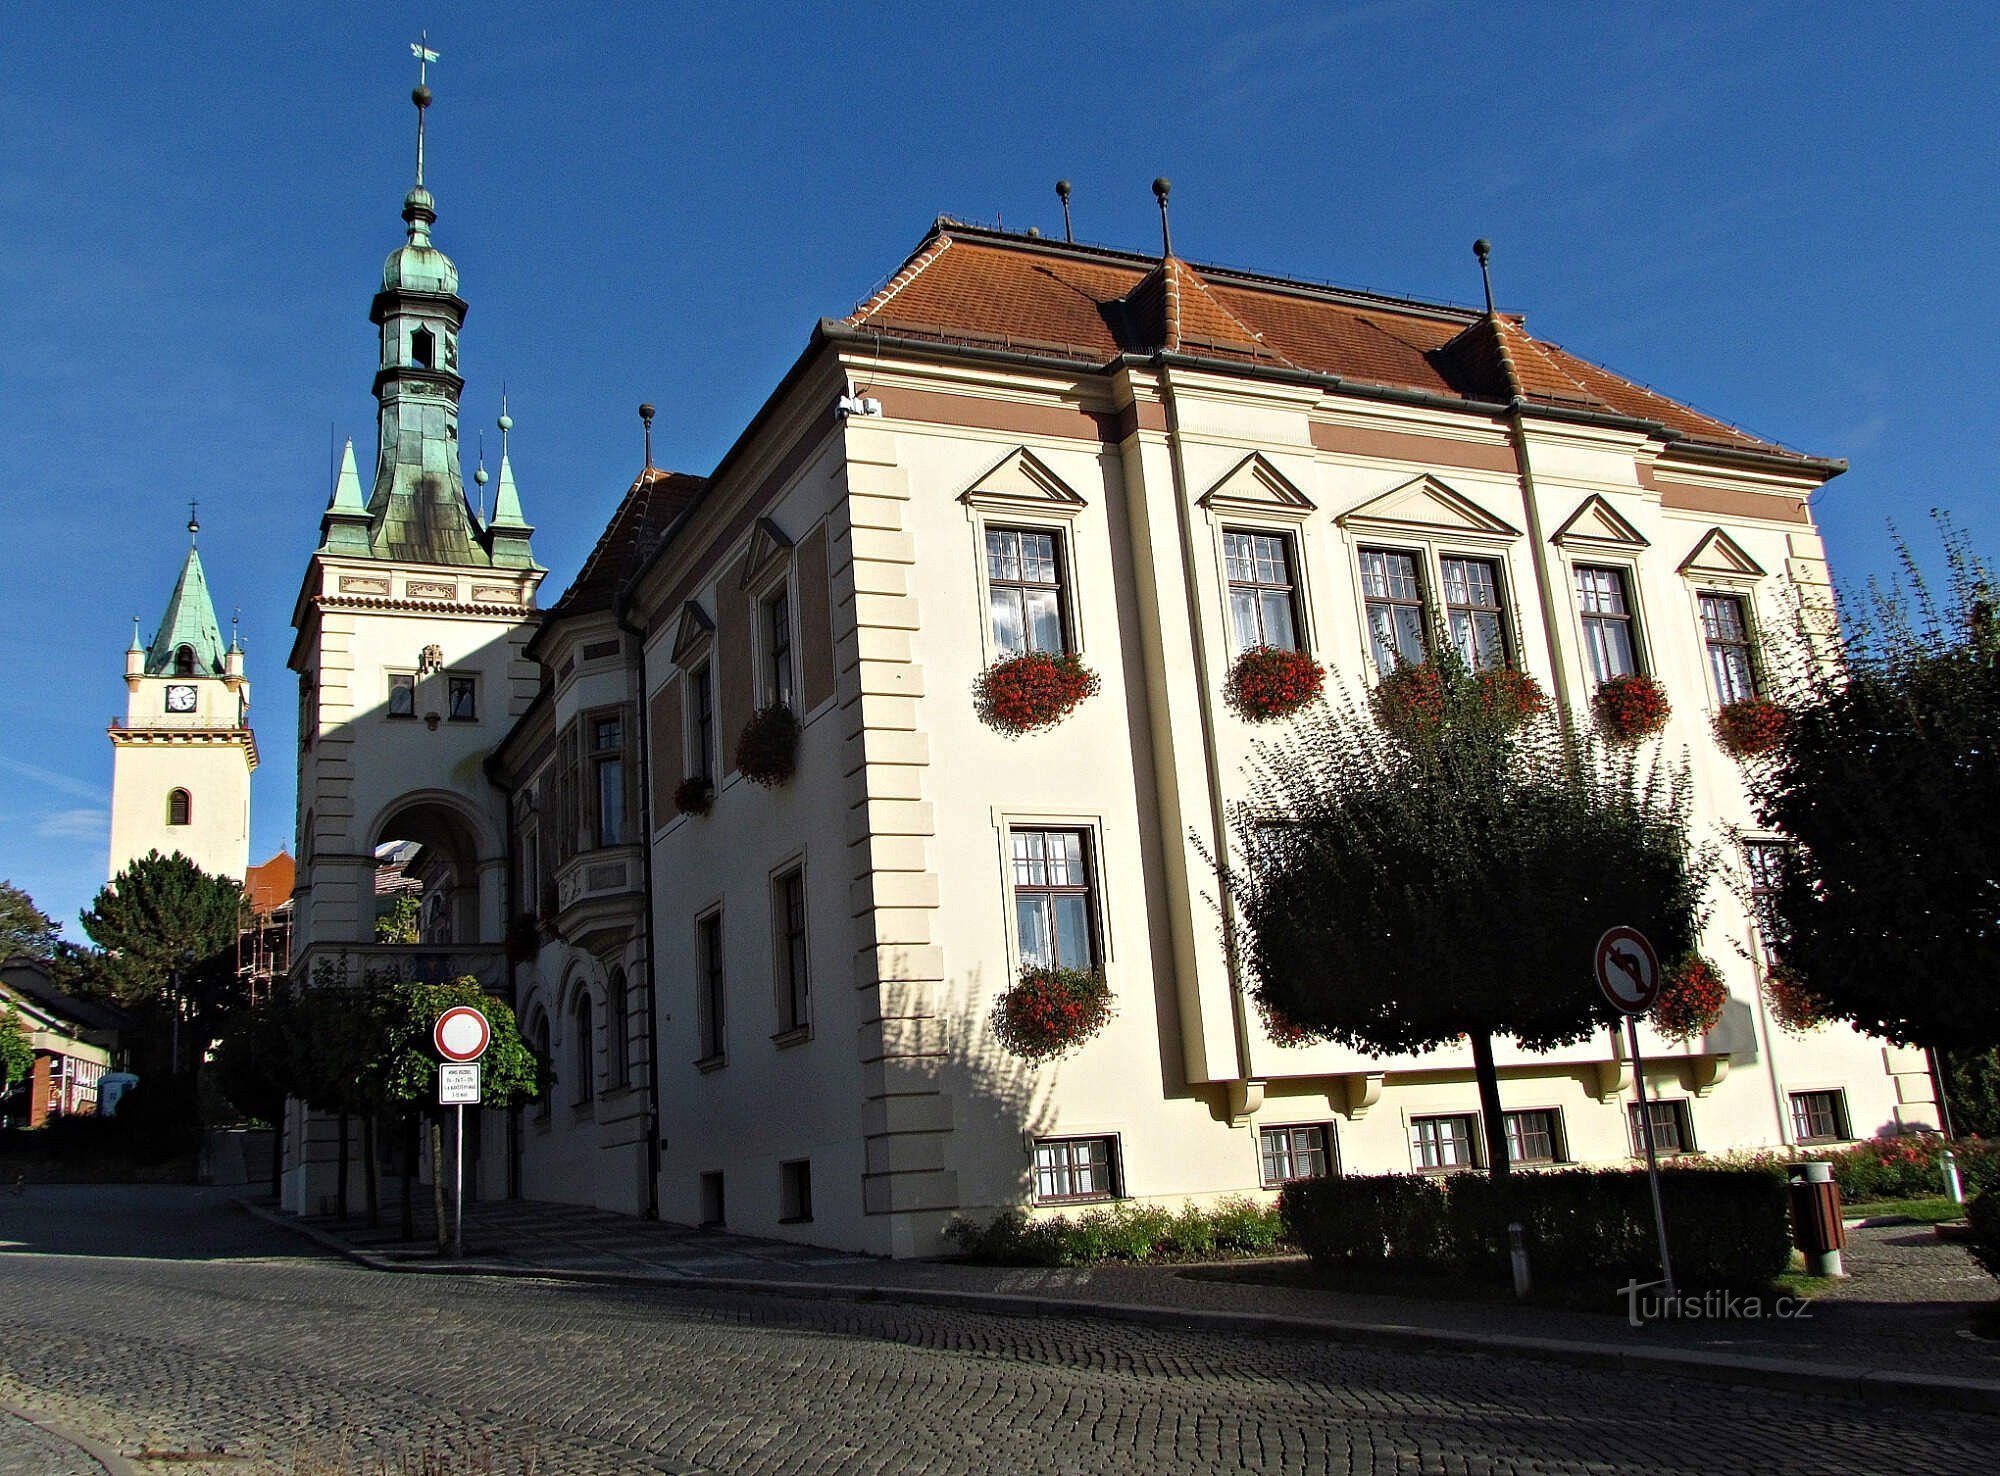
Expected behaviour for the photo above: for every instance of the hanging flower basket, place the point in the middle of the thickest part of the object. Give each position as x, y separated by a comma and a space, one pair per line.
1691, 1000
767, 751
1409, 701
1268, 683
1754, 726
695, 795
1035, 690
1507, 697
1631, 708
1282, 1028
1797, 1009
1051, 1011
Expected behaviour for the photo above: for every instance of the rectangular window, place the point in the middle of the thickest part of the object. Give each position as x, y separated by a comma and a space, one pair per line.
607, 756
1819, 1117
1287, 1153
462, 698
778, 649
711, 1199
709, 981
1392, 592
788, 914
1024, 582
1673, 1132
1075, 1168
1766, 862
1263, 596
1725, 630
795, 1192
402, 694
1608, 644
1534, 1137
1444, 1142
701, 722
1053, 909
1475, 617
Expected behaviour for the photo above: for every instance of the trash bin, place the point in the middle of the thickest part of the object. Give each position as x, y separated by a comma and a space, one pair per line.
1817, 1229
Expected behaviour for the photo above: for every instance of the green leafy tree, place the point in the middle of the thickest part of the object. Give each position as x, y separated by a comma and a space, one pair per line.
256, 1065
1450, 879
1887, 778
399, 923
24, 928
17, 1053
167, 934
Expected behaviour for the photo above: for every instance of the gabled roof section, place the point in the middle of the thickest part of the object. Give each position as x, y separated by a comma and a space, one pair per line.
1427, 504
1719, 554
650, 504
1255, 485
1021, 479
189, 621
973, 287
1596, 523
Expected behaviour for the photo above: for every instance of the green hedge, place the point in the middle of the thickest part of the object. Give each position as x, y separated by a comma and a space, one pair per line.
1121, 1232
1984, 1215
1725, 1228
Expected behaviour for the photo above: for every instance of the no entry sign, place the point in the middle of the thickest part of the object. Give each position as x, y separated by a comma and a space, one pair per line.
461, 1034
1628, 970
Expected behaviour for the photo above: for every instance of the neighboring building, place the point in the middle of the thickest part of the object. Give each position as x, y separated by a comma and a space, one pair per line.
182, 756
264, 944
770, 1011
76, 1041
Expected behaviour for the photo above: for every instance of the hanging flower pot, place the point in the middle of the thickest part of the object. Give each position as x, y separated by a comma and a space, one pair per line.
1032, 691
1508, 698
695, 795
768, 749
1691, 1000
1631, 708
1050, 1011
1268, 683
1754, 726
1797, 1009
1410, 701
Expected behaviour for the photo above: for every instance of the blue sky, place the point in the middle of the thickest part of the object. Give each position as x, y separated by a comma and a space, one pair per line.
1783, 214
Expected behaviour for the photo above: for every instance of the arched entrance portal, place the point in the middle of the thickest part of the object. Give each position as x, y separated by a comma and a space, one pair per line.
430, 864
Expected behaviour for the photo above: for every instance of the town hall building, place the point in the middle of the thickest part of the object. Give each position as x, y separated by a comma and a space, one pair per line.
761, 956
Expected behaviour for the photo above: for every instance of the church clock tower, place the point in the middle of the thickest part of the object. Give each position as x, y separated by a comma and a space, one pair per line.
182, 755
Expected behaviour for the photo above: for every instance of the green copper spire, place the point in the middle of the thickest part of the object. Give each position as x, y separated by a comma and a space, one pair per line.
344, 526
189, 623
507, 534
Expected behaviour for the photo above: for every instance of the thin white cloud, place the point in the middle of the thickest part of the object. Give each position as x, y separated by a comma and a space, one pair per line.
50, 779
82, 824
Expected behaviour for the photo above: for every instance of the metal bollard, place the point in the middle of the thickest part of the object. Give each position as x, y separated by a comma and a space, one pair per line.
1517, 1252
1954, 1190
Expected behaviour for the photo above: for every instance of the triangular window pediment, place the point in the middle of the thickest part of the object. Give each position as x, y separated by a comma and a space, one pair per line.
1021, 480
1428, 504
692, 634
1254, 485
770, 546
1720, 556
1597, 524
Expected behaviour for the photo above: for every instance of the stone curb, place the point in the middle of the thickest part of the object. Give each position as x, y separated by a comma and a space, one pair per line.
113, 1463
1838, 1380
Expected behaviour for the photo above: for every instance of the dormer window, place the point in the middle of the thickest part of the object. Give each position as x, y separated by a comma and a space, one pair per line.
184, 661
423, 349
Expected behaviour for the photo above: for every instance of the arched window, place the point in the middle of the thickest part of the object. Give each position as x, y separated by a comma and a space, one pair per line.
617, 1024
581, 1052
179, 807
538, 1046
184, 661
423, 349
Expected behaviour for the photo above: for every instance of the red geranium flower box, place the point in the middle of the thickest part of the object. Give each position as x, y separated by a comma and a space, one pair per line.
1051, 1011
1268, 682
767, 750
1509, 697
1754, 726
1631, 708
1797, 1009
1691, 1000
694, 795
1409, 701
1032, 691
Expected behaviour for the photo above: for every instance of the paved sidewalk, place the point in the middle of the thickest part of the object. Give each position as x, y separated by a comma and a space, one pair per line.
1898, 1327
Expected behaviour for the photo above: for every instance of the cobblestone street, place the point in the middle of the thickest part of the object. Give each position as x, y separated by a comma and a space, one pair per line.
166, 1321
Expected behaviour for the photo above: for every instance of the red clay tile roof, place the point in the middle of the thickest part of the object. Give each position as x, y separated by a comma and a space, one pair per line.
268, 885
972, 286
653, 501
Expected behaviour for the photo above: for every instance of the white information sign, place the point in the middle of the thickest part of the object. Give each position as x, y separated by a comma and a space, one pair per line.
458, 1086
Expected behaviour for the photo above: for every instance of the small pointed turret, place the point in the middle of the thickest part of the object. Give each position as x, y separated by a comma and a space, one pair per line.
344, 527
508, 533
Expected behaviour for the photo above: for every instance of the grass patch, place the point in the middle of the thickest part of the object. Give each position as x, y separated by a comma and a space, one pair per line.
1928, 1211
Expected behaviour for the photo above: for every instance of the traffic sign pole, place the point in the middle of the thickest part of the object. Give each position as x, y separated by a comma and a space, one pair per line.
1652, 1155
1628, 971
458, 1196
461, 1035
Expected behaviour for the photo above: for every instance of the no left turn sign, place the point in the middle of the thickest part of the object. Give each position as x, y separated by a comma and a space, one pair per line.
1628, 970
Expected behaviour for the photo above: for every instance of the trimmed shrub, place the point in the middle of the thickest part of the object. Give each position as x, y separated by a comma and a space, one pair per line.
1120, 1232
1385, 1218
1983, 1213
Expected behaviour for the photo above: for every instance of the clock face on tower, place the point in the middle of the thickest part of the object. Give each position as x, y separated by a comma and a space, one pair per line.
180, 698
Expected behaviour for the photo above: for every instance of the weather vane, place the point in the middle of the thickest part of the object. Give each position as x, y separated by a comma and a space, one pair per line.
421, 50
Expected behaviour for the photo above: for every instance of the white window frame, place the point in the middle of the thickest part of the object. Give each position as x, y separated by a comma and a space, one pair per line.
1433, 546
1646, 659
1005, 823
1059, 518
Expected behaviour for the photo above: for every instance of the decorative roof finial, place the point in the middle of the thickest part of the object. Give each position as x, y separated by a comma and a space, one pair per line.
505, 422
235, 620
1483, 248
194, 526
421, 94
1161, 189
137, 644
479, 476
646, 419
1062, 194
